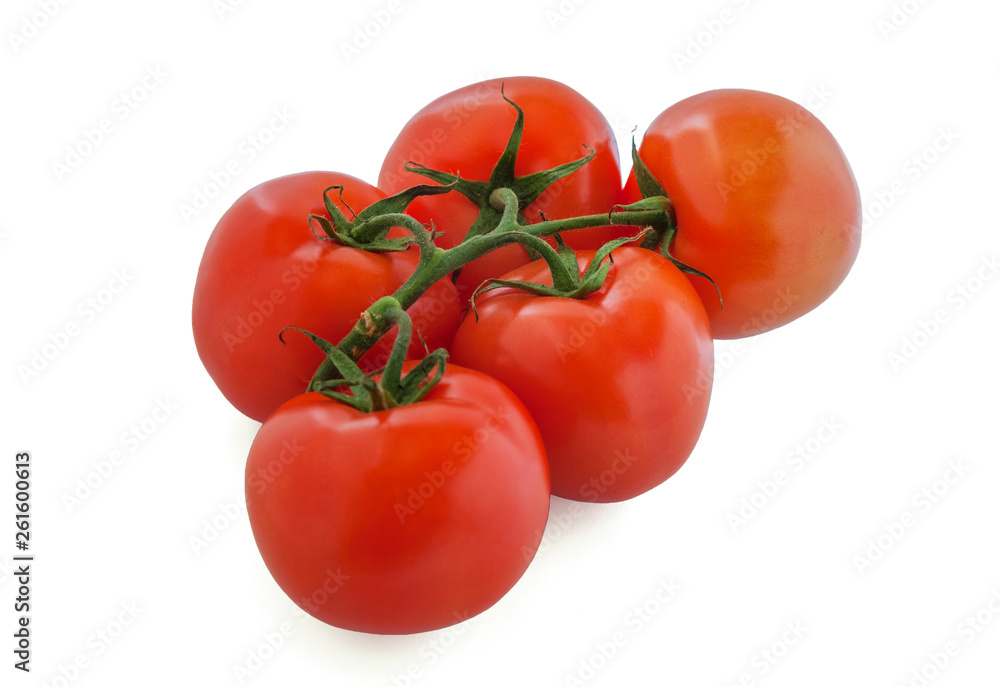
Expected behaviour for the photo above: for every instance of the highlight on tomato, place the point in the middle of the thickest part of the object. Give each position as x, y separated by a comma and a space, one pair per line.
766, 205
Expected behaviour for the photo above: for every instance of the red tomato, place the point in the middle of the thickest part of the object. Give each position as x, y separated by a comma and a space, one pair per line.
263, 270
403, 520
464, 133
766, 205
618, 382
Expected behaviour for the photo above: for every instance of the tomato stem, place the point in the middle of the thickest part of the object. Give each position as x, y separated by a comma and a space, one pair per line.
437, 263
392, 389
500, 222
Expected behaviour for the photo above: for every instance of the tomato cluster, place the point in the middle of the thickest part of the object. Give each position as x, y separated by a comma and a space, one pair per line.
571, 321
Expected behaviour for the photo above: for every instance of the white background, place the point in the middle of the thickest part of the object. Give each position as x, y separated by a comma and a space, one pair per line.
802, 560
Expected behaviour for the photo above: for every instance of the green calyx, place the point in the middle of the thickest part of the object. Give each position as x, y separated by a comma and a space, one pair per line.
567, 280
653, 191
369, 229
345, 382
501, 200
526, 189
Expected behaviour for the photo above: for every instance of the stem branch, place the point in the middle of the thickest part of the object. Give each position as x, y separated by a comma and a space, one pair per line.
437, 263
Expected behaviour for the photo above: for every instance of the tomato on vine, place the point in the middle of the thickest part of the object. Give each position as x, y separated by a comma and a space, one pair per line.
393, 496
617, 376
409, 506
465, 132
265, 268
766, 204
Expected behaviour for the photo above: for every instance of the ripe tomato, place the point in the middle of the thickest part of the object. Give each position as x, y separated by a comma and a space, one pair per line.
766, 205
263, 270
402, 520
618, 382
464, 133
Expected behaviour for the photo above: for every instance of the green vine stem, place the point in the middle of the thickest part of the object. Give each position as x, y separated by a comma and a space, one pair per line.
437, 263
501, 200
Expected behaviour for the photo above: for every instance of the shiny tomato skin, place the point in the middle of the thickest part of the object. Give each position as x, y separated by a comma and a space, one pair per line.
405, 520
465, 131
263, 269
618, 382
767, 205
